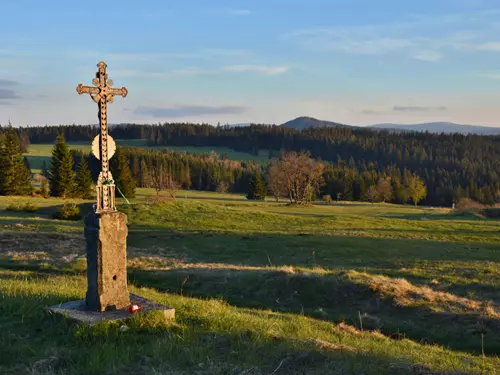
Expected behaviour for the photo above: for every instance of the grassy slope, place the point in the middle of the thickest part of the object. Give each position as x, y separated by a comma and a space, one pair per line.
225, 264
39, 153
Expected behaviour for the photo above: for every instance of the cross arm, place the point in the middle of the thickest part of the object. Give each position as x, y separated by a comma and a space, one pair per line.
122, 92
81, 89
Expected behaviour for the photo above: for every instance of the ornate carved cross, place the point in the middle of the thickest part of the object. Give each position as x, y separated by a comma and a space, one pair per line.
103, 145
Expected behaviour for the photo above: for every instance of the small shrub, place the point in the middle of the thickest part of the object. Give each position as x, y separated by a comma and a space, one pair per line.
69, 211
223, 187
27, 207
30, 207
327, 198
467, 204
14, 208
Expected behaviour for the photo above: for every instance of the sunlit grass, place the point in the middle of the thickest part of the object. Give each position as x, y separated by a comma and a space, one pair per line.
260, 286
209, 336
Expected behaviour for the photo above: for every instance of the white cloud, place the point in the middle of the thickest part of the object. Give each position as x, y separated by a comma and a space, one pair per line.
194, 71
239, 12
489, 47
266, 70
202, 54
413, 108
492, 75
185, 72
430, 56
426, 38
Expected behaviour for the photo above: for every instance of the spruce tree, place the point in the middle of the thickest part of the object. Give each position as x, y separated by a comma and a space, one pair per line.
121, 173
83, 180
15, 177
256, 187
61, 176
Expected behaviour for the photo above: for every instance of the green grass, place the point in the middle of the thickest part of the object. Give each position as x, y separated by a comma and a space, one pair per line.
39, 153
259, 287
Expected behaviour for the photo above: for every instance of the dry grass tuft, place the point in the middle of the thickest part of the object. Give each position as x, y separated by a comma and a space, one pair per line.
344, 327
405, 294
329, 346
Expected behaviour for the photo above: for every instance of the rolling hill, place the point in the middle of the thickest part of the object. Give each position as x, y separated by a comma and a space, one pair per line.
433, 127
308, 122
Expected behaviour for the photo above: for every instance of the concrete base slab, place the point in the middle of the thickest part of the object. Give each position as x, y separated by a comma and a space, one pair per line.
76, 310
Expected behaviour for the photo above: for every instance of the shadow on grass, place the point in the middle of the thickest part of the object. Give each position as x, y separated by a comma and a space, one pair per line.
35, 342
328, 297
305, 249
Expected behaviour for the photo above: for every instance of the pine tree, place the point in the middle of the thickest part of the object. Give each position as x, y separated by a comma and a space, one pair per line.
121, 173
83, 180
23, 172
256, 187
15, 177
61, 176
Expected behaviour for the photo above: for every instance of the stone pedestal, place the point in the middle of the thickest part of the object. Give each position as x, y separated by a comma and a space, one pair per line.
106, 237
78, 312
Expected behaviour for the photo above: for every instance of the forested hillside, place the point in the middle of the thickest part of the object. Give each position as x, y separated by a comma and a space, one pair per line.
451, 165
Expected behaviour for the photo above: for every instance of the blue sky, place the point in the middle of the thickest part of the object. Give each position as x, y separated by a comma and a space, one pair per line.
357, 62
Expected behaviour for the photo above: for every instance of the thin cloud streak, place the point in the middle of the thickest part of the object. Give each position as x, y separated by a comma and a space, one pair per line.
410, 38
400, 108
429, 56
266, 70
239, 12
202, 54
491, 75
188, 110
194, 71
8, 94
8, 83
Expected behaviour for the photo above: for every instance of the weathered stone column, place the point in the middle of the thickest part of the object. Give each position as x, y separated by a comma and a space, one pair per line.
106, 237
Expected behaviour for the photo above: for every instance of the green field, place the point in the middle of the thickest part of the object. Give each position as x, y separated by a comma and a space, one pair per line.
260, 288
39, 153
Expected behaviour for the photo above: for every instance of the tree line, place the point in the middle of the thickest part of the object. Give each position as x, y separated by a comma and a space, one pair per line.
451, 166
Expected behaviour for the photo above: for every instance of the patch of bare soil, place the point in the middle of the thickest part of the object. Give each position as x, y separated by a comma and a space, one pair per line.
38, 246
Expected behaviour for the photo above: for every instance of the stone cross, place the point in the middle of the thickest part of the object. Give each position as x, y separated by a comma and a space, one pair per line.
106, 233
105, 229
103, 145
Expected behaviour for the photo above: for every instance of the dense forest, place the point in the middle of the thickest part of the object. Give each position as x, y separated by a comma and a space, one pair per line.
451, 165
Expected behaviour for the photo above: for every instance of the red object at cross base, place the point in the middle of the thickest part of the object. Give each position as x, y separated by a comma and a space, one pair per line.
134, 308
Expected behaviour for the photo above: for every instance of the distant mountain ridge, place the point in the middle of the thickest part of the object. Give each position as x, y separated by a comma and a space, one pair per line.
442, 127
432, 127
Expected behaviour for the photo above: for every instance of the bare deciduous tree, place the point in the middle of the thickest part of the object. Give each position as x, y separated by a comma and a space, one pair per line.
222, 187
384, 189
162, 179
372, 194
298, 176
276, 180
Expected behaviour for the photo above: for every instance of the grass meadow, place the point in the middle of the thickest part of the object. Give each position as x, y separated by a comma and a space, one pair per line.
260, 288
39, 153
